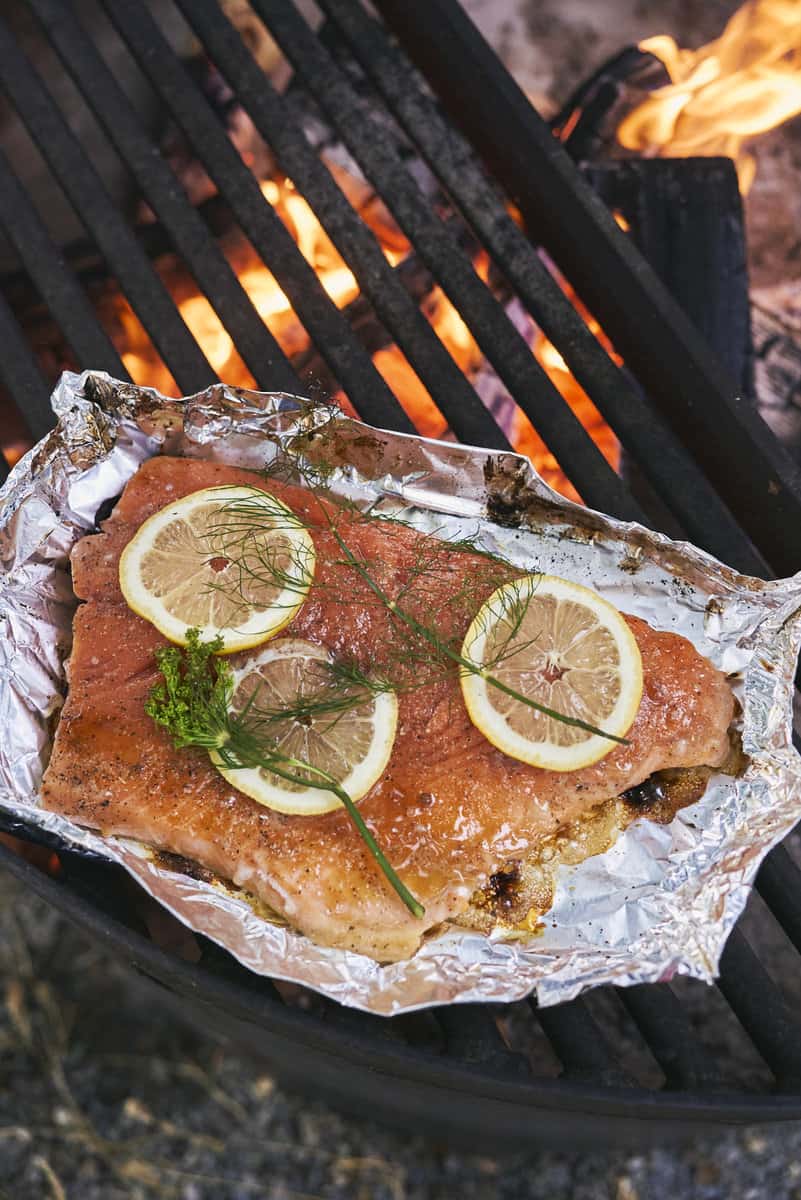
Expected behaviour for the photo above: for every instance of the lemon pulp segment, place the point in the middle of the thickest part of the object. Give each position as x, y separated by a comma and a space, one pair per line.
301, 710
233, 562
563, 646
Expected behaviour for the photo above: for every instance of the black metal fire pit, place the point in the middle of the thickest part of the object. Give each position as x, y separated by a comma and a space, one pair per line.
635, 1064
448, 1072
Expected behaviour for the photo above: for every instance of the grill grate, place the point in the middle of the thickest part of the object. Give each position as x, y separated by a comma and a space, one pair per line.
56, 283
88, 195
502, 344
160, 187
670, 469
661, 346
748, 516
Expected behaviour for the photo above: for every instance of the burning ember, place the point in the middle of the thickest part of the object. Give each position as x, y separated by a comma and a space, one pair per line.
146, 367
745, 82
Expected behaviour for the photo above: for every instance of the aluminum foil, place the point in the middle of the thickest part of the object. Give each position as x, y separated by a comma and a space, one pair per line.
660, 902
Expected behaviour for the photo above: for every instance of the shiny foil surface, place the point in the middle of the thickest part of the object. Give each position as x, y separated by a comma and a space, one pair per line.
660, 902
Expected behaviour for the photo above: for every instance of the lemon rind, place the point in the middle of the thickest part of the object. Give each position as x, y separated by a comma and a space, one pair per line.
258, 628
314, 801
475, 689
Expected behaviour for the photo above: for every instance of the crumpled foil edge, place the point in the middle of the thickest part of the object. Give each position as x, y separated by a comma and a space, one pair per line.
660, 902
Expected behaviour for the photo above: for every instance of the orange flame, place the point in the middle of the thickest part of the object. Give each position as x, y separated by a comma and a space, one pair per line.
269, 300
274, 308
524, 436
745, 82
147, 368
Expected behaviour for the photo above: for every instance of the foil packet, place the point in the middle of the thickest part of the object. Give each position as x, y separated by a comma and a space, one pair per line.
660, 902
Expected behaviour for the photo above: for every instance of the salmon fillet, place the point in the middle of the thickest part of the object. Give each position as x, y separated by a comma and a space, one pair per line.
449, 810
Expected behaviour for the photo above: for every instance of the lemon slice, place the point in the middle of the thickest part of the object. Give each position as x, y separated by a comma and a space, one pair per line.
563, 646
233, 562
326, 726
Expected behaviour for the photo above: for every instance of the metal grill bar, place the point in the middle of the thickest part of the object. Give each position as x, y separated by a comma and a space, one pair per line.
95, 208
499, 340
188, 232
354, 1022
449, 388
472, 1035
647, 326
347, 358
56, 283
580, 1045
661, 1020
779, 884
22, 377
761, 1011
669, 467
226, 969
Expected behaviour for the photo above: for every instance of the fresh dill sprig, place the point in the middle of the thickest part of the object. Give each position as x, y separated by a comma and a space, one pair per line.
194, 700
193, 703
444, 649
426, 568
260, 557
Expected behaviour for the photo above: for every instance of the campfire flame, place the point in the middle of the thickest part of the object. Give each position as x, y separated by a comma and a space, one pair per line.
270, 301
527, 440
745, 82
275, 309
146, 367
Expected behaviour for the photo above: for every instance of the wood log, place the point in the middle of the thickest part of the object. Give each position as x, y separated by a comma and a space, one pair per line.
686, 216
